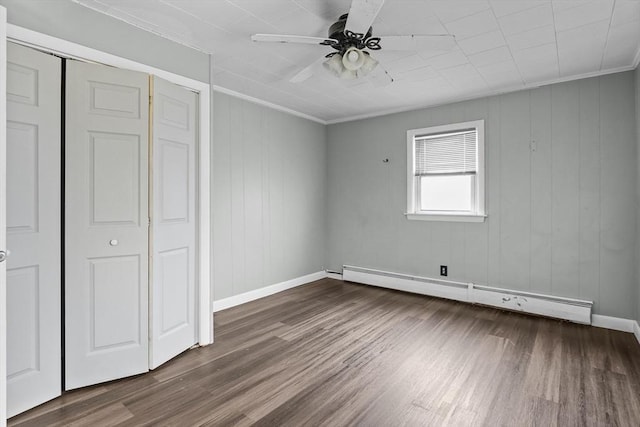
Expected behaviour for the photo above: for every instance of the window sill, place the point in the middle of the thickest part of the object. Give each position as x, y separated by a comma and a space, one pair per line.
446, 217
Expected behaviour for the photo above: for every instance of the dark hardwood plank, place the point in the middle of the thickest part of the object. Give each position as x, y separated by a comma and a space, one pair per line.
334, 353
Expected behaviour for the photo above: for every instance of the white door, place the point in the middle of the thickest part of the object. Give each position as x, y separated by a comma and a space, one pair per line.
3, 220
33, 228
173, 221
106, 224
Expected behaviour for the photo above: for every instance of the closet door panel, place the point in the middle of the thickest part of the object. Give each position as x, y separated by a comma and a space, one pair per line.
107, 220
33, 228
173, 221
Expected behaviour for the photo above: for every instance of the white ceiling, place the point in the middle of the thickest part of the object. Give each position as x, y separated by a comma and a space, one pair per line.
502, 45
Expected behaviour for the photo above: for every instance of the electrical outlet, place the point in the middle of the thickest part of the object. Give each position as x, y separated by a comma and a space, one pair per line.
443, 270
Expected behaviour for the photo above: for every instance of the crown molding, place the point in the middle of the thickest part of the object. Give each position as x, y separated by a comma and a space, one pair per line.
487, 94
134, 23
633, 66
268, 104
420, 106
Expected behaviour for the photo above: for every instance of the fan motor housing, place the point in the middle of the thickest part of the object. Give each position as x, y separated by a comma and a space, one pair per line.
336, 30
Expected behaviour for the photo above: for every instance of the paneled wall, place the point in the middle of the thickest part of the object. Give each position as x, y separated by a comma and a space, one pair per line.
562, 212
269, 196
560, 196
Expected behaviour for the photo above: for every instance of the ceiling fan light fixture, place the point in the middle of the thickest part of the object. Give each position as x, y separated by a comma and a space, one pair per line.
368, 65
353, 59
351, 37
334, 64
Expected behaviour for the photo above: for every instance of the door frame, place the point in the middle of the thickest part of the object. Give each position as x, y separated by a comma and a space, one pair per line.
72, 50
3, 217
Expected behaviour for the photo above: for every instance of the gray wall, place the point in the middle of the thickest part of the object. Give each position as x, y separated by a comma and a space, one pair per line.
269, 196
78, 24
561, 219
269, 168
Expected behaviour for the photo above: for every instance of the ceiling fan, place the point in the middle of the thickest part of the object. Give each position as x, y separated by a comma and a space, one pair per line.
352, 38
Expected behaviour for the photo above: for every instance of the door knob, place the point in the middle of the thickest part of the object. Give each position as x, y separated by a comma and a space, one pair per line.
3, 256
113, 242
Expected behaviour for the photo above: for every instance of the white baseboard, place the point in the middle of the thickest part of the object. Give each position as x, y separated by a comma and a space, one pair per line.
403, 282
266, 291
543, 305
574, 310
615, 323
446, 289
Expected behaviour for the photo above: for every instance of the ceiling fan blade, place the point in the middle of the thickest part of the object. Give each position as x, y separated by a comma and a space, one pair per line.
416, 42
280, 38
362, 14
307, 71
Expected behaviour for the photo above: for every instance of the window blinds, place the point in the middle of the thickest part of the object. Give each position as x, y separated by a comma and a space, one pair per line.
452, 153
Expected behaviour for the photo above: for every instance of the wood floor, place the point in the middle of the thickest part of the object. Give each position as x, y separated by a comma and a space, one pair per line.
333, 353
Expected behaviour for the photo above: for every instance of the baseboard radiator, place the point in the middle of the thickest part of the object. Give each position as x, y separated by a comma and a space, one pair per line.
574, 310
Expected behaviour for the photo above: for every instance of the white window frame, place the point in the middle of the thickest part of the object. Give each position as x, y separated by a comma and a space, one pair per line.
478, 212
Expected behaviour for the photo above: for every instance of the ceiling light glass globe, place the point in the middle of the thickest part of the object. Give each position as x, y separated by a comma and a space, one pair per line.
353, 59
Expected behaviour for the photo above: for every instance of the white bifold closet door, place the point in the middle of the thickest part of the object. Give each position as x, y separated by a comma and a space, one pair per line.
33, 228
106, 224
173, 296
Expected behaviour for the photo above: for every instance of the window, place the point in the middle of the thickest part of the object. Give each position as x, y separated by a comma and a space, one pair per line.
445, 174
